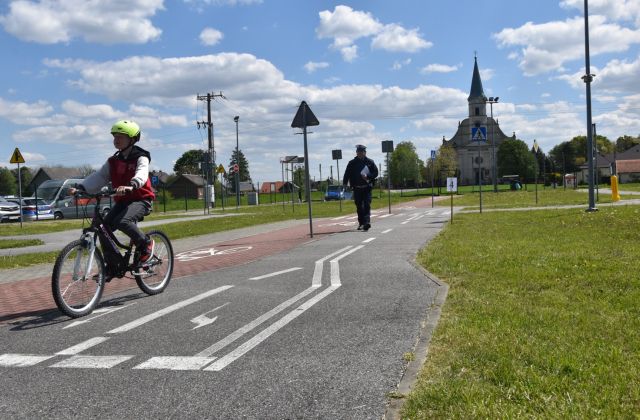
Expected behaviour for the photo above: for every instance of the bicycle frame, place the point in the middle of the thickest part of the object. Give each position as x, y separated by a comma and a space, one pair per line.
110, 244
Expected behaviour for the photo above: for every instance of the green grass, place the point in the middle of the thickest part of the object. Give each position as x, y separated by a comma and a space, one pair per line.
19, 243
542, 319
512, 199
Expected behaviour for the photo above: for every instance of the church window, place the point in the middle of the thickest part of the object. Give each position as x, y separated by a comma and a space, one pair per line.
477, 111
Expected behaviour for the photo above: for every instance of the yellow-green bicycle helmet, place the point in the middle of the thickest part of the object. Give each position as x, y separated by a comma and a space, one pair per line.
129, 128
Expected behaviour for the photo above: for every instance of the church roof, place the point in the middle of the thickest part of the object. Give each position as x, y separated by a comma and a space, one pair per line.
476, 84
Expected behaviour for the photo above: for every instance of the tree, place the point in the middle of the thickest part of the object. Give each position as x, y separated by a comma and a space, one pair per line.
242, 163
25, 179
514, 158
626, 142
565, 156
8, 182
189, 162
445, 164
405, 165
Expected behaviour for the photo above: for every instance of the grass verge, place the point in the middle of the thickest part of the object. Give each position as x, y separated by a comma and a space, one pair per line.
19, 243
542, 319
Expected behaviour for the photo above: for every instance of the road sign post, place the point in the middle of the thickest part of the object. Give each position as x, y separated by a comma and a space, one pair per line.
452, 187
17, 158
304, 118
387, 147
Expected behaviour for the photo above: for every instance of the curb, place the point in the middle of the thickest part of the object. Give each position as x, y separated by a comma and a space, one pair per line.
421, 348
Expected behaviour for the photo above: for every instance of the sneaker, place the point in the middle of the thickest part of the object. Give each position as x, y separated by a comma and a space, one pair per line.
359, 227
366, 227
147, 251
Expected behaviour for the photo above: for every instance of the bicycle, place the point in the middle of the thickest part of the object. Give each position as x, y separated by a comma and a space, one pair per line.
82, 268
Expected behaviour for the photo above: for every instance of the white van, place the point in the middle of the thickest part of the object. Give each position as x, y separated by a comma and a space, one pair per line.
65, 206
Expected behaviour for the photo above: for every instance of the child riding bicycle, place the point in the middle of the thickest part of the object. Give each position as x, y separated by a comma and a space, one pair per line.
128, 172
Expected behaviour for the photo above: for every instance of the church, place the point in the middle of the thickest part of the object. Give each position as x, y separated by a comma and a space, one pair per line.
478, 138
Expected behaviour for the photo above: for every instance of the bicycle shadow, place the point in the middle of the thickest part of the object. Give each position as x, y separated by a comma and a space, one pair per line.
25, 321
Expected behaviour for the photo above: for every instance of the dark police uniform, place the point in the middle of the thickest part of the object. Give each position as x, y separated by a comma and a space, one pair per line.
361, 187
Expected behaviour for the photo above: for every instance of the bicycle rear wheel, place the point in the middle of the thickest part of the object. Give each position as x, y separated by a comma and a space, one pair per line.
77, 288
155, 276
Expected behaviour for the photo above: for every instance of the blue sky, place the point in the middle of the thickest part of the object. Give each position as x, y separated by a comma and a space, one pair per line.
369, 70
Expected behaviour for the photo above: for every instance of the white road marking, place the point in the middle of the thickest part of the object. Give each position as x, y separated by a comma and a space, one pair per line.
405, 222
203, 320
366, 241
21, 360
91, 362
335, 269
276, 273
386, 215
386, 231
260, 337
317, 272
253, 324
176, 363
155, 315
78, 348
273, 328
100, 312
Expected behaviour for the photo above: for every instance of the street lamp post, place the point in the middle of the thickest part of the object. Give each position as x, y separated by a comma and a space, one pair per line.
236, 119
494, 171
588, 78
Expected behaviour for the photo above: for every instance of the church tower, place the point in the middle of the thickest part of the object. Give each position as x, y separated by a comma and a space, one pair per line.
478, 137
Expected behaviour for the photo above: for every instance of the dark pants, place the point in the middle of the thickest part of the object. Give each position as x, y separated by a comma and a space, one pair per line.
124, 216
362, 198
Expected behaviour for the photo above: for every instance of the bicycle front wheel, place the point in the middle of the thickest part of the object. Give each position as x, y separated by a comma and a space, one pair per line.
76, 285
155, 276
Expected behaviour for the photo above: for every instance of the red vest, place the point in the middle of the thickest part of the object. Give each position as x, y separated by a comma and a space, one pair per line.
122, 171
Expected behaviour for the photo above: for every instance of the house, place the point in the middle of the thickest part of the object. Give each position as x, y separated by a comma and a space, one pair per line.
189, 186
160, 176
628, 170
56, 172
278, 187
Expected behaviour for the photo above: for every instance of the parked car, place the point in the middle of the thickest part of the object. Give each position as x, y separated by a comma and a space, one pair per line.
63, 206
29, 208
9, 212
337, 192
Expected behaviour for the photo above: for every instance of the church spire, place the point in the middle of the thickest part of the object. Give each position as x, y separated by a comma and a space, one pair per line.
476, 84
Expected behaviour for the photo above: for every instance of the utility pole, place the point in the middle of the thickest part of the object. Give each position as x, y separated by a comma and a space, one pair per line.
211, 161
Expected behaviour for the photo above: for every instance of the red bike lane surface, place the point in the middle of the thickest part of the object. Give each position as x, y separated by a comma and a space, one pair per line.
31, 297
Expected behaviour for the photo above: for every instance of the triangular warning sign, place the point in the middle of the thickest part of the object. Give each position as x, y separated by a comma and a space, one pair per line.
16, 157
304, 117
478, 135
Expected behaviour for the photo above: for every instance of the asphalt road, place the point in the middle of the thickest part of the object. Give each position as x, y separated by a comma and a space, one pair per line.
318, 331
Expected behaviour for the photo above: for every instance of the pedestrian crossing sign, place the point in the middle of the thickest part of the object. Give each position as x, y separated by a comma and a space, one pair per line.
478, 133
16, 157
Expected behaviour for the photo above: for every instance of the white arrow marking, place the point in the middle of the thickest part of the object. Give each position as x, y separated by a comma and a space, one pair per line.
203, 320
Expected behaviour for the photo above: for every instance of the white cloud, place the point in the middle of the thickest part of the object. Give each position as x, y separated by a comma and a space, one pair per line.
345, 26
60, 21
618, 76
221, 2
438, 68
210, 36
547, 47
397, 65
623, 10
394, 37
312, 66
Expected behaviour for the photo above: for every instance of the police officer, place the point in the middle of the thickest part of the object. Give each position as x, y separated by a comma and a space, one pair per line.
360, 173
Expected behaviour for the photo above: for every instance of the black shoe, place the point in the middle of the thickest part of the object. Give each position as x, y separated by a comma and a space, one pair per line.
366, 227
359, 227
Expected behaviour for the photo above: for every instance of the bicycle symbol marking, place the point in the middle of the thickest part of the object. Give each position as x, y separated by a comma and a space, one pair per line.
209, 252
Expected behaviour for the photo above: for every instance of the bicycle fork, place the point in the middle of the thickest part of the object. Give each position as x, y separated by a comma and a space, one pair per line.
87, 240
